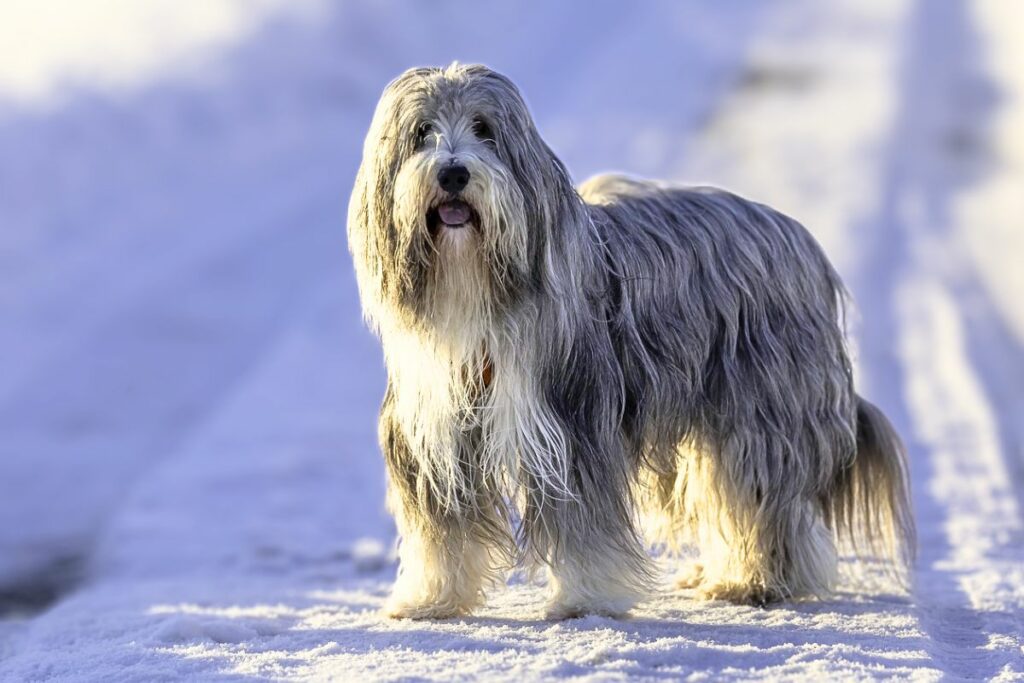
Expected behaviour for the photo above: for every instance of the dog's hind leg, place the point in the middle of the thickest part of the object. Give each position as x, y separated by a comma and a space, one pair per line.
759, 543
672, 509
751, 563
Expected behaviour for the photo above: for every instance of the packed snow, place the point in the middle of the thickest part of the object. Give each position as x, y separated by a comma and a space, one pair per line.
190, 486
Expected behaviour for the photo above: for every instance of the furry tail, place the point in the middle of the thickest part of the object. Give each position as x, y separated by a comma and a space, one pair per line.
870, 505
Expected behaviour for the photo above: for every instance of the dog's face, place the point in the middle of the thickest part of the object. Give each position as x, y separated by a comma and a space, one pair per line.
456, 190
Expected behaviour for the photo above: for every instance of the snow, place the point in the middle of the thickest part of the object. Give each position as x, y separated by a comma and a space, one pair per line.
116, 43
188, 395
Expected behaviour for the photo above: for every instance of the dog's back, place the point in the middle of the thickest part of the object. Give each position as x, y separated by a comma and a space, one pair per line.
724, 307
727, 319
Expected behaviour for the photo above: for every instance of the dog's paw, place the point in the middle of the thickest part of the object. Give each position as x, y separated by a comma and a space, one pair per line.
691, 576
738, 593
561, 609
396, 609
558, 611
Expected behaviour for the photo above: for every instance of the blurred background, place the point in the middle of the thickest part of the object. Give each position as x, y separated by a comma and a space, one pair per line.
186, 386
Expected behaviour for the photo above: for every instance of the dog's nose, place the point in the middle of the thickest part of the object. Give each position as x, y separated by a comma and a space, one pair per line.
453, 178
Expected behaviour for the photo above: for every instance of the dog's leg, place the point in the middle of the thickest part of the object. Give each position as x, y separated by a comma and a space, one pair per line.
757, 565
444, 567
449, 552
758, 545
691, 575
598, 585
595, 565
674, 503
595, 560
576, 477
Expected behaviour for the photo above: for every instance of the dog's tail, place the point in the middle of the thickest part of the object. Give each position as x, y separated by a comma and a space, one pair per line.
870, 505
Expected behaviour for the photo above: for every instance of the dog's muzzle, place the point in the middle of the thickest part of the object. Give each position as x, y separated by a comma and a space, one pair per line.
452, 213
453, 178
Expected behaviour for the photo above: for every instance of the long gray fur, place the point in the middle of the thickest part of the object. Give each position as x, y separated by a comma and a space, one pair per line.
581, 359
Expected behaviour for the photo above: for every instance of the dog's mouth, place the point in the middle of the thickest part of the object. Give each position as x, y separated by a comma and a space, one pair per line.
453, 214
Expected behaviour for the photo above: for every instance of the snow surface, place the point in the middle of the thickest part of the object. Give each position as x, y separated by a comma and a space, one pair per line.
188, 396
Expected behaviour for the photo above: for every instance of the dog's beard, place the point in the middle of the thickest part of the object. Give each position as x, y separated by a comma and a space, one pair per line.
458, 304
465, 252
438, 352
459, 277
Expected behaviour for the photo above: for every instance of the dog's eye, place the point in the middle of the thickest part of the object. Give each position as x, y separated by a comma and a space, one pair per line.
424, 129
482, 130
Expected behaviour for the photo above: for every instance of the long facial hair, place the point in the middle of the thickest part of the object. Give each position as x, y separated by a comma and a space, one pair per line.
445, 302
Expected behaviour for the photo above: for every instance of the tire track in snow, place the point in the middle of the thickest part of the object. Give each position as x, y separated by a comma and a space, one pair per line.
87, 424
999, 361
988, 240
914, 343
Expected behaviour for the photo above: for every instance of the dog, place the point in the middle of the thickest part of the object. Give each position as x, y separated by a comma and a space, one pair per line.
565, 364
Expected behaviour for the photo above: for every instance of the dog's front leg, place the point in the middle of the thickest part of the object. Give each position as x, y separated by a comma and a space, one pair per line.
450, 548
582, 528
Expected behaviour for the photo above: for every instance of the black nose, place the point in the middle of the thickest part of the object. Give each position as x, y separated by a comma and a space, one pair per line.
453, 178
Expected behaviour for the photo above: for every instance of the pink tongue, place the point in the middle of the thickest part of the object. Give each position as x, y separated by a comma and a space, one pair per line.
454, 213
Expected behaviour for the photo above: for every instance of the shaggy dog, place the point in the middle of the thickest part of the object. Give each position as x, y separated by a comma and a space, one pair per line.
563, 361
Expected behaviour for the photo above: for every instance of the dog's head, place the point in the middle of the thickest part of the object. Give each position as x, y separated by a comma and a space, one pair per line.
456, 191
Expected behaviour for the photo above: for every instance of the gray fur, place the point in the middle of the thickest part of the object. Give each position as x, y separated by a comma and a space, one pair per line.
579, 357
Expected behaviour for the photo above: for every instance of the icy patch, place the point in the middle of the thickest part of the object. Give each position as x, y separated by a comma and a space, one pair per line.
190, 628
191, 623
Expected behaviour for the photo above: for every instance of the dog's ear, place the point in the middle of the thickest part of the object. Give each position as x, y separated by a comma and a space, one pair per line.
541, 176
372, 235
550, 202
364, 222
389, 256
543, 179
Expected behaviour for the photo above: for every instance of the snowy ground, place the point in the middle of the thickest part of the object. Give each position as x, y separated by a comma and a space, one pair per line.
188, 465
